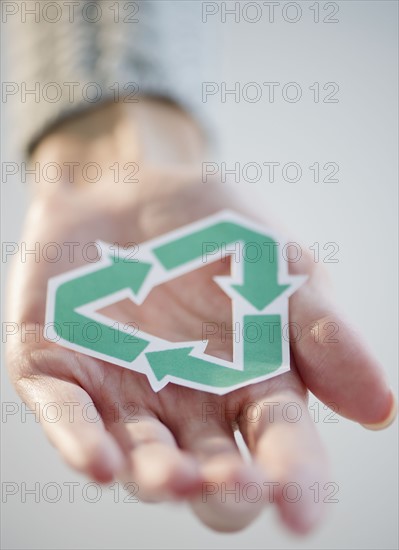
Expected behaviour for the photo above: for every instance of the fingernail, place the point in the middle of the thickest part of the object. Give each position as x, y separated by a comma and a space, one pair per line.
389, 419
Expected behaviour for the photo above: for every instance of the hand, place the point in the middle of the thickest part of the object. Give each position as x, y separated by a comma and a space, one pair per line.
171, 452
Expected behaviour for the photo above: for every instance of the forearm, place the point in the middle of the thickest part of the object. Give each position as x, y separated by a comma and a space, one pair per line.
76, 65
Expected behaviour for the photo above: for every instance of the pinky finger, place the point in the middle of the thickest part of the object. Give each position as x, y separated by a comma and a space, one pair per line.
74, 426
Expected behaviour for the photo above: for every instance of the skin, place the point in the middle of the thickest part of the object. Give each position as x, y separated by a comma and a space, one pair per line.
171, 452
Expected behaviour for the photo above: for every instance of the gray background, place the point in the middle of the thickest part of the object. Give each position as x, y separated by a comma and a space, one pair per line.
358, 213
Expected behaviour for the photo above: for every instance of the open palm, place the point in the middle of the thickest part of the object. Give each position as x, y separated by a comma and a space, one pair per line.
179, 443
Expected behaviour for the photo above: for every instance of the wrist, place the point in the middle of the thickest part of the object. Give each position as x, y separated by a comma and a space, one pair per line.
152, 134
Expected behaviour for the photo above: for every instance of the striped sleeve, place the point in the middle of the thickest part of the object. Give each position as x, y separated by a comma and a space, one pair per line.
74, 55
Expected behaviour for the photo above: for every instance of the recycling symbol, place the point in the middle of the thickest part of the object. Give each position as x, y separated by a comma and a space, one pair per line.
259, 287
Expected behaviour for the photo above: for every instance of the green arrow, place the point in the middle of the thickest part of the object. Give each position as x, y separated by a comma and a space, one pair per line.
85, 332
262, 356
260, 285
259, 298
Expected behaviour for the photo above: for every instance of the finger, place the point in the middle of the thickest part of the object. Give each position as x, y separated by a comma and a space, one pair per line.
73, 425
284, 441
226, 502
335, 363
155, 463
